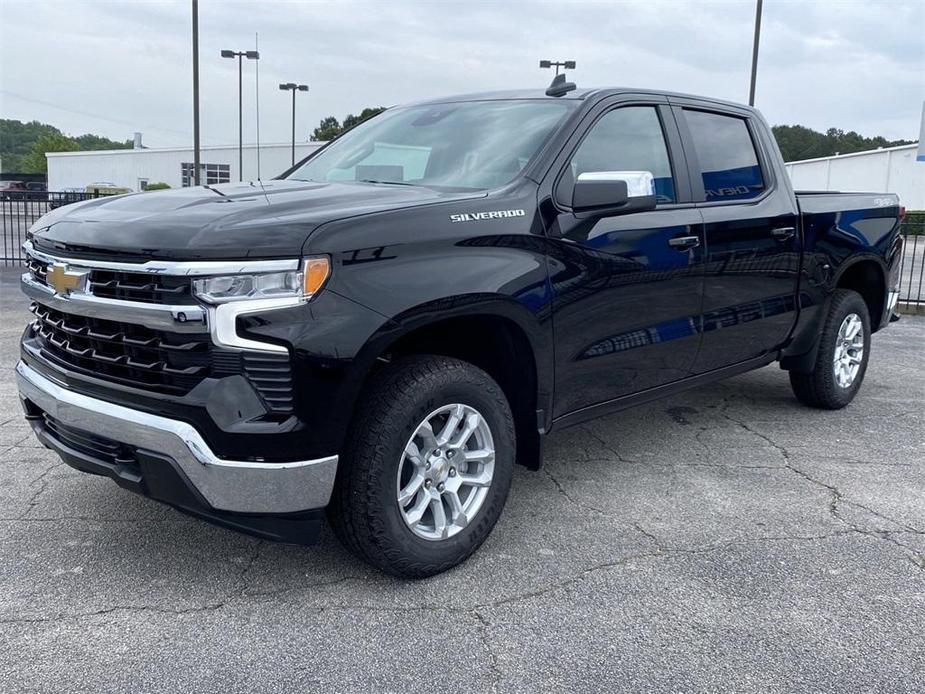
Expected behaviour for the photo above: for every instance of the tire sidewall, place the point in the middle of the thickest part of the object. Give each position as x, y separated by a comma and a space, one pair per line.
848, 303
490, 403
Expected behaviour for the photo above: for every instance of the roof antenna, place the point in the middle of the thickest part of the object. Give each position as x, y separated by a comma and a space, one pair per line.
558, 86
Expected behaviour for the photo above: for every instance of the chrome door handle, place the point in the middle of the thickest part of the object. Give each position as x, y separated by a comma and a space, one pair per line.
683, 243
783, 233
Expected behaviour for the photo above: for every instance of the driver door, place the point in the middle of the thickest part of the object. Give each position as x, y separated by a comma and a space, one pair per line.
627, 288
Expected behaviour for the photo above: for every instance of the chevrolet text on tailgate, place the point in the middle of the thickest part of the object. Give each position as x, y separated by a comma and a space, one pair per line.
382, 332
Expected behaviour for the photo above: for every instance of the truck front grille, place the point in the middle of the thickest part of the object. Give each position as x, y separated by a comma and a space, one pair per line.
128, 286
130, 354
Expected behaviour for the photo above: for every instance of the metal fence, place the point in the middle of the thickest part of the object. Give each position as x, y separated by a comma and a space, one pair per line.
20, 210
912, 268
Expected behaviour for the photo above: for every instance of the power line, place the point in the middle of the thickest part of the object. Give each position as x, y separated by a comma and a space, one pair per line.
97, 116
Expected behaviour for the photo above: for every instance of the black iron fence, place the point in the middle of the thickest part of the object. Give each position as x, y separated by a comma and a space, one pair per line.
20, 209
912, 268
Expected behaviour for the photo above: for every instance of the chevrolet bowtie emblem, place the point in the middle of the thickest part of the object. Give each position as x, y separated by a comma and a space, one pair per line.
64, 281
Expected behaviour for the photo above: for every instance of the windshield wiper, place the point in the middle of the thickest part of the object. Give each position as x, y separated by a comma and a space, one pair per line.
385, 183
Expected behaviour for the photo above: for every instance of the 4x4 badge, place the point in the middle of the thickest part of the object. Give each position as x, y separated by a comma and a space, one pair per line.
65, 281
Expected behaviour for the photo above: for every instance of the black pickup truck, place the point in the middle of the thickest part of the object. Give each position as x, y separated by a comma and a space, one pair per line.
382, 332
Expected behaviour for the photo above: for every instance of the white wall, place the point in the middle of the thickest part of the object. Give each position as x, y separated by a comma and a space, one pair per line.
891, 170
125, 167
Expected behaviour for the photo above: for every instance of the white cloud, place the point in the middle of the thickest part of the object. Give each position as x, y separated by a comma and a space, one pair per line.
853, 65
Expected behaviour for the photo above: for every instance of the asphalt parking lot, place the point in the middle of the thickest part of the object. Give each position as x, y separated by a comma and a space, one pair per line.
726, 539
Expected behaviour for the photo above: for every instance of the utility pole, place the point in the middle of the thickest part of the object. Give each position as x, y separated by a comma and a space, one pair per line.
196, 162
751, 89
240, 55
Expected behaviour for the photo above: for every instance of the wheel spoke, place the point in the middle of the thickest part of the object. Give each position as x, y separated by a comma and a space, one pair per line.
452, 423
426, 432
482, 479
411, 489
481, 455
472, 423
414, 454
440, 525
415, 513
852, 329
456, 510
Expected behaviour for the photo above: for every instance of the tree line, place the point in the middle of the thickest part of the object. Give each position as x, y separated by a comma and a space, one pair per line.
23, 145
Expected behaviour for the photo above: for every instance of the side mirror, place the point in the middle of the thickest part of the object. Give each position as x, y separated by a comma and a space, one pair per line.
606, 193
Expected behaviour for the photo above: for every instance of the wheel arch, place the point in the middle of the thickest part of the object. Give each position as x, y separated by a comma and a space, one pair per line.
495, 333
866, 276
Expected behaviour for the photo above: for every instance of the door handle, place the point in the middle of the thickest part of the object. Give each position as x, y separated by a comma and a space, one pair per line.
783, 233
683, 243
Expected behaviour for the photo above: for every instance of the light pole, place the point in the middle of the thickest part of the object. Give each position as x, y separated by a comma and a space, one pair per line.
250, 55
564, 64
293, 87
195, 92
751, 88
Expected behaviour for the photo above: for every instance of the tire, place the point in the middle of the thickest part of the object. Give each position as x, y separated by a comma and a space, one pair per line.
824, 387
365, 511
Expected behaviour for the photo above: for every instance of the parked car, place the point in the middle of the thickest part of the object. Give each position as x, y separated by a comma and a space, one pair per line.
65, 197
106, 188
387, 328
13, 190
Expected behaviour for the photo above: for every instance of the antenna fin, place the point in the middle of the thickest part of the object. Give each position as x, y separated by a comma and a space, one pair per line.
559, 87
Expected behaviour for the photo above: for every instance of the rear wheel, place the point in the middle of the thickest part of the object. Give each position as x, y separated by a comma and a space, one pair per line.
427, 467
841, 362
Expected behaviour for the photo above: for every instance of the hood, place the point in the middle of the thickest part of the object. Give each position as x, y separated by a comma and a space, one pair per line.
241, 220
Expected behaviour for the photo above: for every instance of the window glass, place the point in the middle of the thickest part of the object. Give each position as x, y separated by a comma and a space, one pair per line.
728, 161
628, 139
461, 145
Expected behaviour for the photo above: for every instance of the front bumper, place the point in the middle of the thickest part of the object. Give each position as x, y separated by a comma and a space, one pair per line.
223, 486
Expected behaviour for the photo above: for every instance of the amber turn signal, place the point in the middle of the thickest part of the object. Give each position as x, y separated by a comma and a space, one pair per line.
315, 272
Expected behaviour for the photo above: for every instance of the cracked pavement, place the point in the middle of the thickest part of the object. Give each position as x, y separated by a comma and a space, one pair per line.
724, 539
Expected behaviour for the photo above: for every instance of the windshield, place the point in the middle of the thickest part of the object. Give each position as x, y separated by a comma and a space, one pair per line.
469, 145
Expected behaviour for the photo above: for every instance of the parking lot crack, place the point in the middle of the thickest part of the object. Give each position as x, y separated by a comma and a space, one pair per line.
494, 664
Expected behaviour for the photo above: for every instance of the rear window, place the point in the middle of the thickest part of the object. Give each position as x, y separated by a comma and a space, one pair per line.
728, 160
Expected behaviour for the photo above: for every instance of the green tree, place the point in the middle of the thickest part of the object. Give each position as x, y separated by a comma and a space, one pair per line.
327, 129
157, 185
50, 142
17, 140
352, 121
330, 127
797, 142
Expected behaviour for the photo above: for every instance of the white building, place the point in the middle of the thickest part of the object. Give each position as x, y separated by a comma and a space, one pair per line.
889, 170
135, 168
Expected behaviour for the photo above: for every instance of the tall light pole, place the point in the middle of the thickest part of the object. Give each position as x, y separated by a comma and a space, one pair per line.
195, 92
751, 88
293, 87
250, 55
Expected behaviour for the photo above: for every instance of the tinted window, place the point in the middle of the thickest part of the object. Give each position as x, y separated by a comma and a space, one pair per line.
728, 162
628, 139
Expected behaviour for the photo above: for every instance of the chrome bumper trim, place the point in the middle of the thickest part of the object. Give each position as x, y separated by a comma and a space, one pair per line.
180, 319
228, 485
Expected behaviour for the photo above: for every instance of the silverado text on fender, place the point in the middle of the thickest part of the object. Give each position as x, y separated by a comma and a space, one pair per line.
385, 329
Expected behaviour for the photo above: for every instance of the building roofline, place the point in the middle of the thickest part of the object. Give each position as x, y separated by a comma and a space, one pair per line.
263, 145
914, 145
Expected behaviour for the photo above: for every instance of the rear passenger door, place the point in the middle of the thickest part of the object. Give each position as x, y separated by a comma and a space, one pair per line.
751, 232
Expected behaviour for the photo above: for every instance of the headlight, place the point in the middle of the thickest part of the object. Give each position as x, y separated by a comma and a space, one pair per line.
271, 285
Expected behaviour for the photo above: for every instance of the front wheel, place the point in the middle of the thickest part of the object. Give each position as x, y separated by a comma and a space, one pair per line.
427, 466
841, 362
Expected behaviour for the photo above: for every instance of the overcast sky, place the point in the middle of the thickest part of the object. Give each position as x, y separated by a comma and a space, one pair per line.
115, 67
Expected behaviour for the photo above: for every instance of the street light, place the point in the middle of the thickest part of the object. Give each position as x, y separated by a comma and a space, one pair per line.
293, 87
250, 55
565, 64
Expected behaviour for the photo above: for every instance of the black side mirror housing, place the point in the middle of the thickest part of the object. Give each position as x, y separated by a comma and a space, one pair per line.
607, 194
